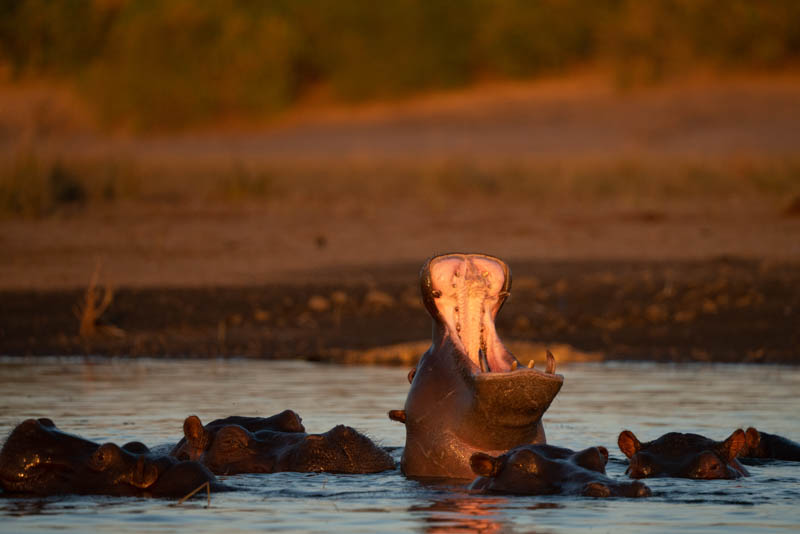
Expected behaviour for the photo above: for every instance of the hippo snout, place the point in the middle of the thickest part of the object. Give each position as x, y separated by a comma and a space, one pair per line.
145, 474
640, 467
640, 489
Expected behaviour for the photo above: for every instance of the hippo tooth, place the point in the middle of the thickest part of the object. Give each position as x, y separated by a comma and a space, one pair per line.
530, 364
484, 361
551, 363
514, 365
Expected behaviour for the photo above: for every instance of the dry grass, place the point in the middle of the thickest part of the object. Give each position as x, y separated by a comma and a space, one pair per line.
32, 186
204, 485
95, 303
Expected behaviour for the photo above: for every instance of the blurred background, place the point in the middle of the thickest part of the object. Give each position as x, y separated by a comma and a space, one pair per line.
236, 143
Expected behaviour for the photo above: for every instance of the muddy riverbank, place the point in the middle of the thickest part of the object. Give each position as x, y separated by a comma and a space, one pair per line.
724, 310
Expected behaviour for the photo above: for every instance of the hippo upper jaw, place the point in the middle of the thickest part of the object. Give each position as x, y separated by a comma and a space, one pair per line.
463, 293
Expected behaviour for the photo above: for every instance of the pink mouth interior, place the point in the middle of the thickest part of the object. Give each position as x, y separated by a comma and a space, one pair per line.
470, 290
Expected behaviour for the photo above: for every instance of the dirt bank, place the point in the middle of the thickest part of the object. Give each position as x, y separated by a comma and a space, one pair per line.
721, 310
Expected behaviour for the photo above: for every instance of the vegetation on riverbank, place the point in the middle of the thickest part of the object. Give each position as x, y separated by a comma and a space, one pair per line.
147, 65
33, 186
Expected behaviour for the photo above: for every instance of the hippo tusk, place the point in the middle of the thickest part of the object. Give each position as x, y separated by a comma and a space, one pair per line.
530, 364
551, 363
514, 365
483, 361
411, 374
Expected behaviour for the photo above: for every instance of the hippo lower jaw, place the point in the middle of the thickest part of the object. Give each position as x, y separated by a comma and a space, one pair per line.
507, 405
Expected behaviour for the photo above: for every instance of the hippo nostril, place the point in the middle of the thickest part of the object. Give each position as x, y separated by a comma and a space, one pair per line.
29, 424
145, 474
641, 490
596, 489
295, 424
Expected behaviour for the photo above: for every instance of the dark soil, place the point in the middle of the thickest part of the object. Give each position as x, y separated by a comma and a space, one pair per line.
723, 310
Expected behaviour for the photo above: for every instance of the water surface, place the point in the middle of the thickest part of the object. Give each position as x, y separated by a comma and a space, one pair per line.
123, 400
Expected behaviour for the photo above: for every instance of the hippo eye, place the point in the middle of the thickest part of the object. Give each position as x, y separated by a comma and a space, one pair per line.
103, 457
529, 467
233, 443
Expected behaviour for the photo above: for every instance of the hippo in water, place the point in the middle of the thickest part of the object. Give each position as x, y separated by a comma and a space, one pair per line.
229, 449
38, 458
547, 470
762, 445
198, 438
684, 456
468, 393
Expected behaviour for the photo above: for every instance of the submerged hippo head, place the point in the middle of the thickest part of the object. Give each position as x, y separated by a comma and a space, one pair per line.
469, 393
546, 470
198, 438
684, 456
770, 446
235, 449
38, 458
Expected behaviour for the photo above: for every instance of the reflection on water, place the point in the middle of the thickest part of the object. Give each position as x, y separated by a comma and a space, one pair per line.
475, 513
147, 400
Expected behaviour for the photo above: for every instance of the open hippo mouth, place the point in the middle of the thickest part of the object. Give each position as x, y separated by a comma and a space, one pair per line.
464, 293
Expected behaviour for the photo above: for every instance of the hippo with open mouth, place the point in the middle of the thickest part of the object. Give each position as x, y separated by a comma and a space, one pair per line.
468, 393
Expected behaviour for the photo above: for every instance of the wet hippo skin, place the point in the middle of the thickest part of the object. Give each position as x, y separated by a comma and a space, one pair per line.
547, 470
684, 456
198, 437
762, 445
38, 458
232, 449
469, 393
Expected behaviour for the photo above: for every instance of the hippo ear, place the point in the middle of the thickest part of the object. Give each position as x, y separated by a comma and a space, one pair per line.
193, 429
752, 438
398, 415
484, 465
735, 444
628, 443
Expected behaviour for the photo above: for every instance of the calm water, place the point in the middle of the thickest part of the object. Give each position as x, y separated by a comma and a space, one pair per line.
123, 400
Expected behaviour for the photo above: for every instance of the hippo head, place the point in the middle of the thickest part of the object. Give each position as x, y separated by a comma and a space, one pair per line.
341, 449
39, 458
469, 393
684, 456
232, 449
545, 470
770, 446
198, 437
